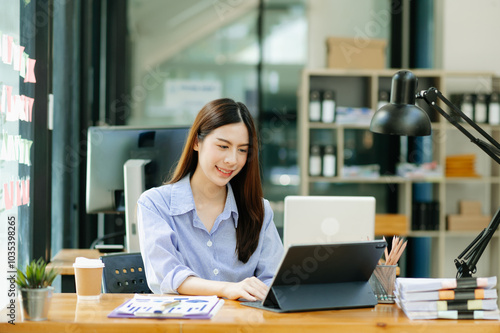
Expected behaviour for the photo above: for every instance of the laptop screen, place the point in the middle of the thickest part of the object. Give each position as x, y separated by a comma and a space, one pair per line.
327, 219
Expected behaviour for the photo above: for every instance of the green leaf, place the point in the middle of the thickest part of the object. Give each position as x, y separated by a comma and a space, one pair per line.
36, 275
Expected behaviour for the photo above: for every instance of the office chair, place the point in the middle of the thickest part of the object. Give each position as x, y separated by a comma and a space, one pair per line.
124, 273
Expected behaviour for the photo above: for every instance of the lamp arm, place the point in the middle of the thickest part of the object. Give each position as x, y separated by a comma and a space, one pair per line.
431, 95
471, 255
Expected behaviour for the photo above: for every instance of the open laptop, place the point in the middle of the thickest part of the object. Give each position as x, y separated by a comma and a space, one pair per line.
323, 276
327, 219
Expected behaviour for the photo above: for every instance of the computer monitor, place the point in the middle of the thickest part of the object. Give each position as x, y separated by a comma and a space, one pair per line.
124, 161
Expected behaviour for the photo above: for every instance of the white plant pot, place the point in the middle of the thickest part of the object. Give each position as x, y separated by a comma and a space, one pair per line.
36, 303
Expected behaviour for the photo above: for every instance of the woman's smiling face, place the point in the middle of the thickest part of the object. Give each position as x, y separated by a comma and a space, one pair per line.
223, 153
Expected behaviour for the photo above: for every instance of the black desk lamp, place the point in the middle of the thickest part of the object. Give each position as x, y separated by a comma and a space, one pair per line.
402, 117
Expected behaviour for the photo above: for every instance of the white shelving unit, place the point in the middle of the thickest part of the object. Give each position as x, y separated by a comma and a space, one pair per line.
360, 88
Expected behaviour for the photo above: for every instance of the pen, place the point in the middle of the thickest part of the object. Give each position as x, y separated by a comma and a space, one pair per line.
165, 305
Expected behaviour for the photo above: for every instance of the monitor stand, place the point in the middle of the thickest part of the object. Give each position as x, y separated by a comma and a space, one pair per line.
135, 184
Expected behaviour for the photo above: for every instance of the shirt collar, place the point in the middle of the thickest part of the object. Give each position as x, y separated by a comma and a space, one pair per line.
183, 201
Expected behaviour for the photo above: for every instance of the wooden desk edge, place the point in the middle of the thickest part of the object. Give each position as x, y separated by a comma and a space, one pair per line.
64, 259
67, 314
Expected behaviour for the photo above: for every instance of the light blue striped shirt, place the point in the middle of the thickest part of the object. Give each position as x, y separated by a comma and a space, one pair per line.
175, 244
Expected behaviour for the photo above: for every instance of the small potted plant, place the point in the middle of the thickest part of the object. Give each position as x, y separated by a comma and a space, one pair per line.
35, 285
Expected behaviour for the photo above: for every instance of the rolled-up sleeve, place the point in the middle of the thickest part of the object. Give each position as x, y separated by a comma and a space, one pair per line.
164, 265
271, 247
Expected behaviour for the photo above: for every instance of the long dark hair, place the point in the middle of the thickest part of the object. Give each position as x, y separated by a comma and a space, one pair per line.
246, 185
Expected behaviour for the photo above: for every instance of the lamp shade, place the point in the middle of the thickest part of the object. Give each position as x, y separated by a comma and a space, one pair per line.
401, 116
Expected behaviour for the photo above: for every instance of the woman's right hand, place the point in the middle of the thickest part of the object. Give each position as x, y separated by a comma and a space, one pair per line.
251, 289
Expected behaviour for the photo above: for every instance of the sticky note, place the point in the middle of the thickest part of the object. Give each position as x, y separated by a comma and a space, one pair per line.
30, 71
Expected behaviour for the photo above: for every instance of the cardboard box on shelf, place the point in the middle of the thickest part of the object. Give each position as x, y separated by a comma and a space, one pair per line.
468, 222
470, 217
356, 53
470, 207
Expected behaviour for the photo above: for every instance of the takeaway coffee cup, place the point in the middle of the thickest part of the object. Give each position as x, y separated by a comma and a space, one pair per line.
88, 277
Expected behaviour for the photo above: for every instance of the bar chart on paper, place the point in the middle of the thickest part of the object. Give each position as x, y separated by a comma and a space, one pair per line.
194, 307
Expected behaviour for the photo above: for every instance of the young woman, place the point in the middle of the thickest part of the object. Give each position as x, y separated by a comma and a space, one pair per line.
209, 231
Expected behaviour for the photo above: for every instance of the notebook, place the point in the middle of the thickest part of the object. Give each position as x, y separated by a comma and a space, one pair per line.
323, 276
327, 219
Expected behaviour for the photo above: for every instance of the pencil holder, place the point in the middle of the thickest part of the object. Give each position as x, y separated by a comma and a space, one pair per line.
383, 281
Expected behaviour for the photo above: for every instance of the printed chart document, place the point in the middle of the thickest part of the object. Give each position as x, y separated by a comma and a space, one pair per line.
150, 306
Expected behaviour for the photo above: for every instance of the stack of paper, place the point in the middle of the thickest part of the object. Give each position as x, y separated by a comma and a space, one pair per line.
465, 298
189, 307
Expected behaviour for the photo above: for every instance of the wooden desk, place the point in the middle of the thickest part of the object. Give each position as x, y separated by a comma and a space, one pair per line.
63, 262
68, 315
64, 259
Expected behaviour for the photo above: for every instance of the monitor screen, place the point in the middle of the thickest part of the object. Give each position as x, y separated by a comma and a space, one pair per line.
109, 147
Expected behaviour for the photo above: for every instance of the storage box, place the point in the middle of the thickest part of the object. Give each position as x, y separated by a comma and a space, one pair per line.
470, 207
391, 224
356, 53
468, 222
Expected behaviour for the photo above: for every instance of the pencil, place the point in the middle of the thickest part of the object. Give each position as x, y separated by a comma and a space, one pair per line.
386, 252
400, 252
